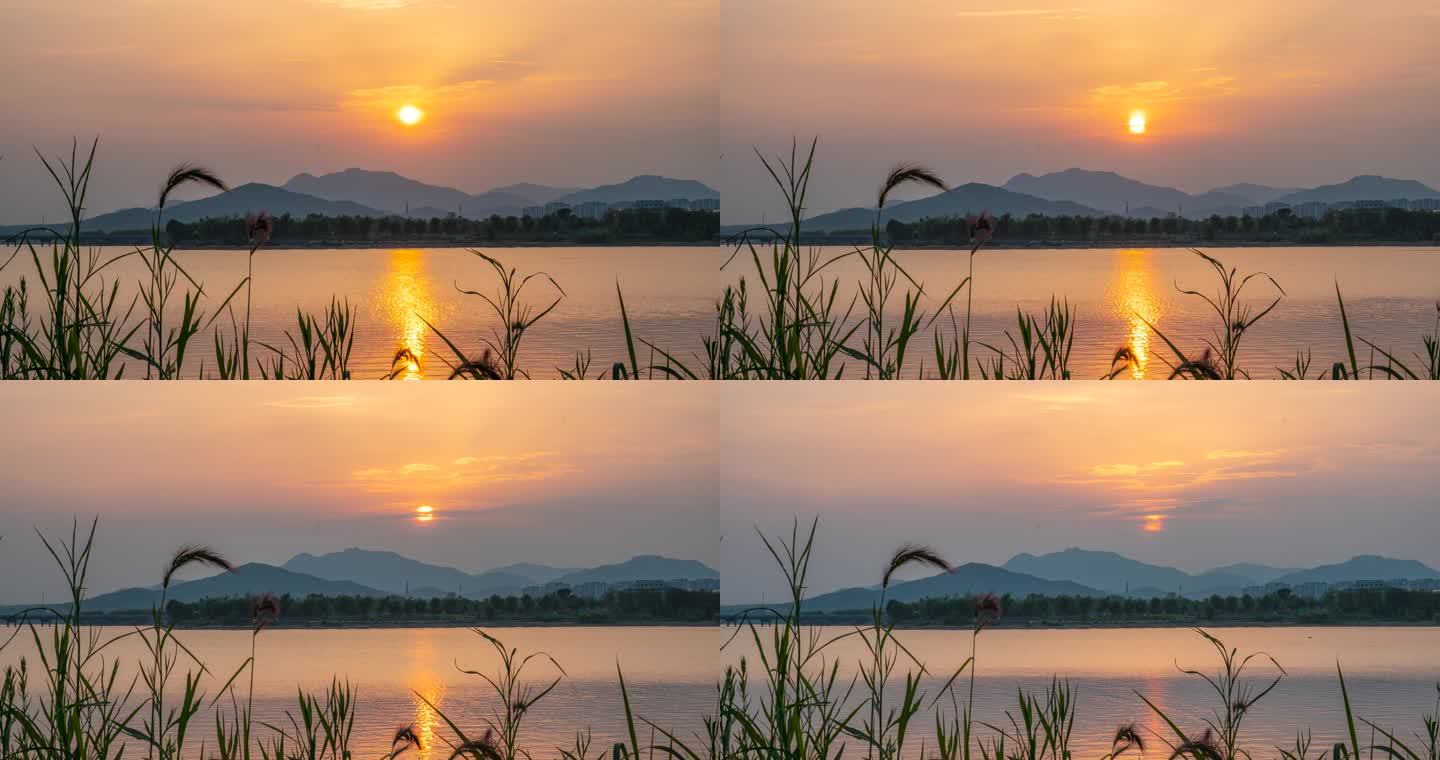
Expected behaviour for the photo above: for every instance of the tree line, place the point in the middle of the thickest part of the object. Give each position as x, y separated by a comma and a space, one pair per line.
1391, 605
1336, 226
669, 605
669, 225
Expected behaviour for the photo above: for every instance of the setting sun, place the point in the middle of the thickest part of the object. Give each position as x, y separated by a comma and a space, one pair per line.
1137, 122
410, 115
424, 513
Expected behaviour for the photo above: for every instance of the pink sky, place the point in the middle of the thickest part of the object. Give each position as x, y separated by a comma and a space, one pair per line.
563, 92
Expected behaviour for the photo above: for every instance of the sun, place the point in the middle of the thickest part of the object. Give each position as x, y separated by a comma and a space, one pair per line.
1137, 122
424, 513
409, 115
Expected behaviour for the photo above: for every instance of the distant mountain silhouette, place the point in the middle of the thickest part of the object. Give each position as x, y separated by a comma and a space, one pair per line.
1114, 573
1256, 194
965, 580
393, 192
392, 572
1111, 192
247, 580
386, 191
536, 573
1362, 188
238, 201
1366, 567
646, 187
1257, 574
958, 201
538, 193
646, 567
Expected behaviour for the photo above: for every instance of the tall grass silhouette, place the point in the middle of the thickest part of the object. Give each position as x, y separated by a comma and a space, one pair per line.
75, 699
796, 695
793, 316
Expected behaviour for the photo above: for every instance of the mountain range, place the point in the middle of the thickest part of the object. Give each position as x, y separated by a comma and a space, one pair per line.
1098, 193
1112, 192
392, 193
360, 192
1083, 572
365, 572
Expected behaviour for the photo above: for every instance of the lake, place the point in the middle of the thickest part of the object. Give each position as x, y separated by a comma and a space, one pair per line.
1390, 297
670, 674
669, 293
1391, 674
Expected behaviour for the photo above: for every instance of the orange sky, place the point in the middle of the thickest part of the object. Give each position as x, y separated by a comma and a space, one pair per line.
563, 92
546, 472
1286, 92
1190, 475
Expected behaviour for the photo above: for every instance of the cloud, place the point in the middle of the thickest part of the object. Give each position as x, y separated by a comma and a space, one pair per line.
313, 402
1047, 13
1193, 85
411, 469
1224, 454
462, 461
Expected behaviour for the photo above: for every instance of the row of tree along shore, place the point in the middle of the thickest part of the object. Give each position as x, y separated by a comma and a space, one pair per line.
1391, 606
1349, 227
669, 606
633, 227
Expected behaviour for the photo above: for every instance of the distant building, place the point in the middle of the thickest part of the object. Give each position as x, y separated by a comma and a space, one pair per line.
1311, 589
705, 204
1370, 205
1343, 205
678, 203
591, 209
554, 207
1310, 209
1254, 211
534, 212
1274, 207
642, 205
1425, 204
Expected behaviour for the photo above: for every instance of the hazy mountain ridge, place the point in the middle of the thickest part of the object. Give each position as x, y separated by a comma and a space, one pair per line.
396, 193
392, 572
1111, 192
246, 580
958, 201
1110, 572
964, 580
366, 572
642, 567
236, 202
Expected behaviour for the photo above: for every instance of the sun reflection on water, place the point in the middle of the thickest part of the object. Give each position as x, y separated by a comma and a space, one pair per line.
408, 303
1133, 299
430, 695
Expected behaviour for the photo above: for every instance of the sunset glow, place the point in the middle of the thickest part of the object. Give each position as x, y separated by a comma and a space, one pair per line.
424, 513
411, 115
1137, 123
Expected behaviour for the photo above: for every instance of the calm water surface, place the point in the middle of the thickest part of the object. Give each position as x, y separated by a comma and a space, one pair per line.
1391, 674
670, 673
1390, 297
669, 293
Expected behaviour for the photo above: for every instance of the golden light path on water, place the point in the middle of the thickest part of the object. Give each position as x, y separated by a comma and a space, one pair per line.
1134, 301
407, 303
429, 694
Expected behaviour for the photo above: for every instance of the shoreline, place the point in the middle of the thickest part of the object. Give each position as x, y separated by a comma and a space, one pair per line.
1062, 626
374, 625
